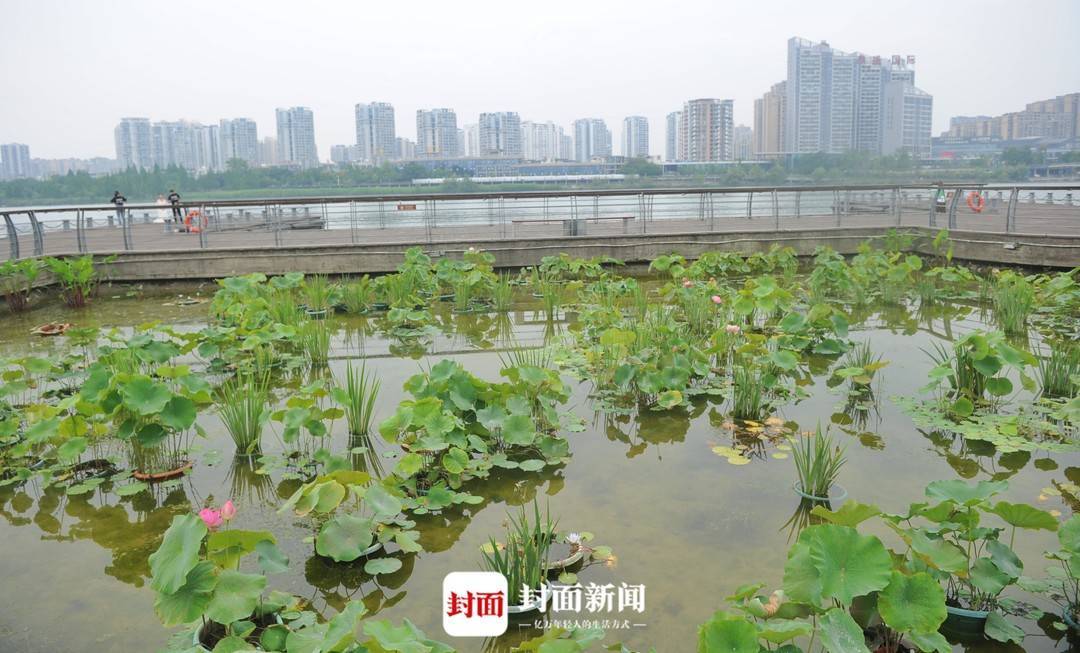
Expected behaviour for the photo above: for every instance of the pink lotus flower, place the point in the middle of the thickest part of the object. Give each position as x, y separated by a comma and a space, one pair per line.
686, 283
733, 329
717, 299
228, 511
210, 517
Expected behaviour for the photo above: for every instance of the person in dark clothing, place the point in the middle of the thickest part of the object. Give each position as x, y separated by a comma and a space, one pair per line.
118, 200
174, 199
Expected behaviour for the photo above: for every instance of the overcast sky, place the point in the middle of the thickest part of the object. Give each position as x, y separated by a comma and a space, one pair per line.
70, 70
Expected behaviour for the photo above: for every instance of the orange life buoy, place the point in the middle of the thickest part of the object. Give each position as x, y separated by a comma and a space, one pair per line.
976, 202
193, 216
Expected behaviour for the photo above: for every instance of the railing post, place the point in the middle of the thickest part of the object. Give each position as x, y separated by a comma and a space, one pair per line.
836, 206
952, 207
776, 209
13, 236
896, 200
80, 230
1010, 211
203, 228
750, 205
39, 237
798, 204
931, 219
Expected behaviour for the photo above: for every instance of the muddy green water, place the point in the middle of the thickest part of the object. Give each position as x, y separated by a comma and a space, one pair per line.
682, 520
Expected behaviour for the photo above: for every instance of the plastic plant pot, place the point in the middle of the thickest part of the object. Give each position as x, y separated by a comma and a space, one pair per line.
837, 494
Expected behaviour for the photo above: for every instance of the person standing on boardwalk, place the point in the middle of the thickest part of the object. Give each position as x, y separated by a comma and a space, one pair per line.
118, 200
174, 199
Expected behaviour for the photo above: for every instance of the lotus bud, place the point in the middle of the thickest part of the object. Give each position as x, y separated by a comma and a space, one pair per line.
686, 283
717, 299
210, 517
733, 329
228, 511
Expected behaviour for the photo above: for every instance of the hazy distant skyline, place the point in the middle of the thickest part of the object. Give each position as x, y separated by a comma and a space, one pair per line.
70, 71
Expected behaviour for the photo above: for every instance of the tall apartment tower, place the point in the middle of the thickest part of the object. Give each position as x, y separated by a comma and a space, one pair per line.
15, 161
500, 134
635, 137
906, 120
542, 141
836, 100
591, 139
706, 130
472, 139
296, 138
133, 143
436, 134
207, 143
376, 133
239, 140
770, 114
671, 142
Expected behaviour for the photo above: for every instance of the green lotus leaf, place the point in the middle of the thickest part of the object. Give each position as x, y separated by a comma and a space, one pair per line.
272, 560
1005, 558
986, 577
999, 386
381, 502
308, 639
779, 631
145, 396
187, 603
852, 513
933, 642
1021, 515
802, 582
913, 603
382, 566
964, 493
1000, 629
455, 460
849, 564
519, 430
178, 553
151, 435
232, 644
721, 635
71, 449
344, 538
409, 465
341, 630
227, 547
274, 638
402, 639
1069, 534
938, 553
235, 596
840, 633
784, 359
179, 413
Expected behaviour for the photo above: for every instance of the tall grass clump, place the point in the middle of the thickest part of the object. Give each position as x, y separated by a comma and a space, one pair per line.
1057, 370
319, 294
966, 379
282, 308
314, 338
358, 296
551, 297
1013, 297
358, 398
244, 410
503, 294
817, 463
527, 357
523, 559
747, 398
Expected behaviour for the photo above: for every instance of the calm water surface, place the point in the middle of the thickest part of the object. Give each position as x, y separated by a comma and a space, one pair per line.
681, 520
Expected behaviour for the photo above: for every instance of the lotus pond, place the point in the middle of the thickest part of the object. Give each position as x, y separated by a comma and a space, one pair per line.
834, 454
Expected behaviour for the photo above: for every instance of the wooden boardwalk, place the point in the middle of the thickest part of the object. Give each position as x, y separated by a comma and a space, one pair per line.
1032, 219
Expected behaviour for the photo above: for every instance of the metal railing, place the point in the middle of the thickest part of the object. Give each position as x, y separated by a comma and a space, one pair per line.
429, 218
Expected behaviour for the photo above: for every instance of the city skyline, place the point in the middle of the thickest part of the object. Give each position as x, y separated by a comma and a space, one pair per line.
626, 68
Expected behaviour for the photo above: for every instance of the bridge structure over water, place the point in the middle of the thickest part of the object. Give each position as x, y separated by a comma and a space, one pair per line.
589, 219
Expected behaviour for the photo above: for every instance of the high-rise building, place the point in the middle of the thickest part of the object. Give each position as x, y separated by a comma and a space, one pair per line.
15, 161
836, 100
133, 143
296, 138
405, 149
706, 130
1055, 118
592, 139
770, 112
268, 151
208, 148
174, 144
542, 141
743, 143
635, 137
376, 132
671, 142
566, 146
906, 120
239, 140
500, 134
436, 134
472, 139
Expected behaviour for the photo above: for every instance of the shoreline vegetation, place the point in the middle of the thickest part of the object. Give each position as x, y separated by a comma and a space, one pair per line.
240, 180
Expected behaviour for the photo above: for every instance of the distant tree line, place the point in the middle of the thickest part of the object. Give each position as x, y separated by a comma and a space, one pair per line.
241, 180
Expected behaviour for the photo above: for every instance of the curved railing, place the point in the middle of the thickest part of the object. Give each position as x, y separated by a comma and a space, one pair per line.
437, 217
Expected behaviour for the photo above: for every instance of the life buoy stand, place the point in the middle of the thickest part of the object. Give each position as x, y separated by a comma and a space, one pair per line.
976, 202
194, 221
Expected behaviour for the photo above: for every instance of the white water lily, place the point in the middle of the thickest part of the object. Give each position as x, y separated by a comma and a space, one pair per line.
573, 538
